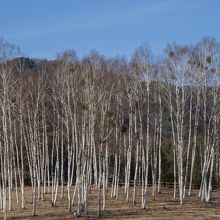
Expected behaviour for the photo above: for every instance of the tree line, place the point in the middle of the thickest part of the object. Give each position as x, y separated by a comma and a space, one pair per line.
71, 125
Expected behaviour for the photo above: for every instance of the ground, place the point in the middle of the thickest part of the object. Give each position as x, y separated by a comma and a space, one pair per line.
164, 207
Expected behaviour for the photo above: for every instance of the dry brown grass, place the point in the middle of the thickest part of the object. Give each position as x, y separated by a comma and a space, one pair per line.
164, 207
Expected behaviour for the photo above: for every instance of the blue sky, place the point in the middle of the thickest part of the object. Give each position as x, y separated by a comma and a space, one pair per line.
41, 28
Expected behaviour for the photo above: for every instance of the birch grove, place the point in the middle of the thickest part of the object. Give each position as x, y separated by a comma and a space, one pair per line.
97, 124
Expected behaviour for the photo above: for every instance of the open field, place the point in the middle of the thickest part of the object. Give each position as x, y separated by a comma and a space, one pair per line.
164, 207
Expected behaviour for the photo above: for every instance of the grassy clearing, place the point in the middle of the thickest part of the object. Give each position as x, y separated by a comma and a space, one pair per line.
164, 207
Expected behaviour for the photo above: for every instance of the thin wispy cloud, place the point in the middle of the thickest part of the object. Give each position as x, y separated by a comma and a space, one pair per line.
98, 21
